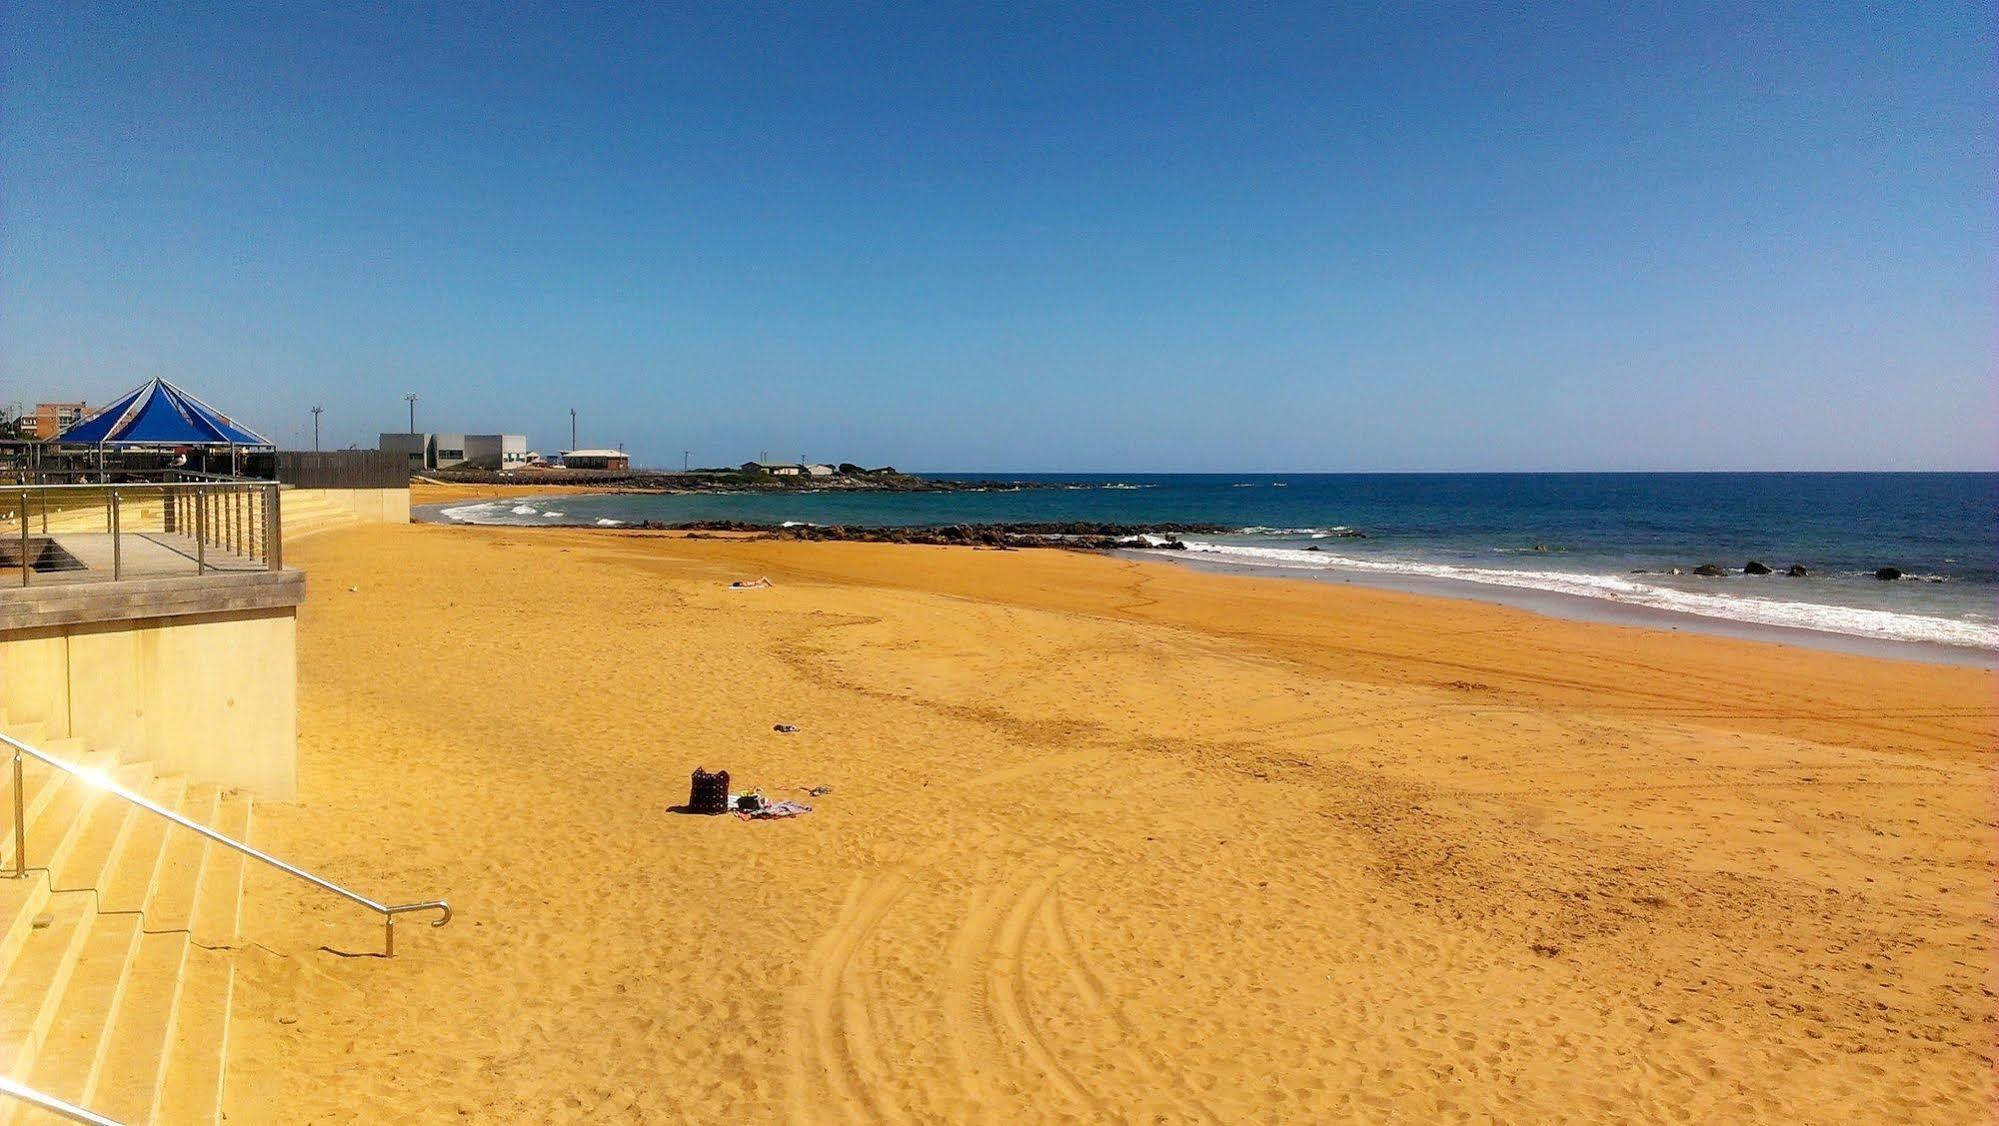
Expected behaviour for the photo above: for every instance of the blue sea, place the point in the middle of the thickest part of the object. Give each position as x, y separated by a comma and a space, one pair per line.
1609, 536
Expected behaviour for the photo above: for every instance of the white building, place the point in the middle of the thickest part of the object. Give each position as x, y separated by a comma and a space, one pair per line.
467, 451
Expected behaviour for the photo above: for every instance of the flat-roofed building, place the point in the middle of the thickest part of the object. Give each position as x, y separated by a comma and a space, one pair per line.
414, 447
495, 451
775, 468
596, 459
50, 419
446, 450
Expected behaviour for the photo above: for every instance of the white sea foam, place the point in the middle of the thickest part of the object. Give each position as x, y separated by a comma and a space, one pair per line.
607, 522
1857, 621
1315, 533
522, 510
551, 513
473, 513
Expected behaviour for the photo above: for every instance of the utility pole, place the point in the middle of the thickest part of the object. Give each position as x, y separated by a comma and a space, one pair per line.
317, 410
572, 428
412, 399
683, 459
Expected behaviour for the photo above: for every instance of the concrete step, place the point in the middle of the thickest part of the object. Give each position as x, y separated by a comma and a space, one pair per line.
130, 886
54, 831
21, 901
135, 1052
88, 865
38, 778
55, 821
35, 983
30, 994
73, 1053
198, 1055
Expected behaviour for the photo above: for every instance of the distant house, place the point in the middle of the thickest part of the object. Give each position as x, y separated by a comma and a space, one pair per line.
775, 468
819, 471
597, 459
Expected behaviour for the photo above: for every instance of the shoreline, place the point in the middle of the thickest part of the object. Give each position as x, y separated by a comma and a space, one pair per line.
1604, 611
1552, 604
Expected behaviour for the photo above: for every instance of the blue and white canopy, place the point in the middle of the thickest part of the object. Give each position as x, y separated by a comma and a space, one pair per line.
159, 414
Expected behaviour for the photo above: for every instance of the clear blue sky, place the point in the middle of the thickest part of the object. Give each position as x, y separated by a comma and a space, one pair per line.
1428, 236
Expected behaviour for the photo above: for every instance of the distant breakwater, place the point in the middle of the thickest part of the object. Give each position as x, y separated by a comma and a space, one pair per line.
1070, 534
710, 481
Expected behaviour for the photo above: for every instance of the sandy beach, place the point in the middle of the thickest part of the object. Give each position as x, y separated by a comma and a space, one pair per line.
1107, 840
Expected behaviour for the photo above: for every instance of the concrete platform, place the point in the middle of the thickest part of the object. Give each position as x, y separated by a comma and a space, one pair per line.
90, 557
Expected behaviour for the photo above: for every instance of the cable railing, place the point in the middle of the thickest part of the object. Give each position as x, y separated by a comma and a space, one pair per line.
101, 781
198, 525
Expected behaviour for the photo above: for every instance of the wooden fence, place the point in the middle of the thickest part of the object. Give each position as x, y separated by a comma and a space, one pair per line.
344, 469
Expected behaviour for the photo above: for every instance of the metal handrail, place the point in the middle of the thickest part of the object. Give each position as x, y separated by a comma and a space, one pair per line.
101, 781
52, 1104
178, 486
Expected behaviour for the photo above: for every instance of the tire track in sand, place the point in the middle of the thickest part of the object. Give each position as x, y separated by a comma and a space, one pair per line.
832, 1034
988, 1011
1157, 1072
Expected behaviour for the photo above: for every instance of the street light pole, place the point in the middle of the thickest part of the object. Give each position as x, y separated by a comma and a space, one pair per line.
572, 428
412, 400
316, 411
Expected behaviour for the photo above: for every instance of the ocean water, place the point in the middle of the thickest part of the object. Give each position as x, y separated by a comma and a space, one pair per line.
1609, 536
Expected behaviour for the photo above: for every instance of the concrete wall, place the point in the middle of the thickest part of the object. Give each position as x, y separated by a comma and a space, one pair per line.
213, 695
385, 506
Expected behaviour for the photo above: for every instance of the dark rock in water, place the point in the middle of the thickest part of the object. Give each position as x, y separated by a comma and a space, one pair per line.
1675, 571
1709, 571
1540, 547
1754, 568
1888, 574
1314, 547
1797, 571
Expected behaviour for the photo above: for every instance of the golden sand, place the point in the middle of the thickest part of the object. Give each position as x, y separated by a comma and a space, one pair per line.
1107, 841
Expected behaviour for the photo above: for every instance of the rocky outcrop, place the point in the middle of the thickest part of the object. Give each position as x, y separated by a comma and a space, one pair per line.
1754, 568
1888, 574
1073, 534
1797, 571
1709, 571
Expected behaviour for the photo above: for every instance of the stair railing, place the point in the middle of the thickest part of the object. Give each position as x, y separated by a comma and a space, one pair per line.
52, 1104
110, 786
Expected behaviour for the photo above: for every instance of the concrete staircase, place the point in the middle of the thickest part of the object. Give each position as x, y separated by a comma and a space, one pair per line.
116, 967
307, 512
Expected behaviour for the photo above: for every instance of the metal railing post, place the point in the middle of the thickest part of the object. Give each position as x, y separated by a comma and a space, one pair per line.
117, 543
274, 529
20, 823
200, 530
24, 544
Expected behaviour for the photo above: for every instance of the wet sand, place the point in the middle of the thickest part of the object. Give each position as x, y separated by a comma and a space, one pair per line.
1107, 840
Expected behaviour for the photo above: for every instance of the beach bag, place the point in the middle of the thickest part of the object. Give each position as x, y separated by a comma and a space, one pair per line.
710, 793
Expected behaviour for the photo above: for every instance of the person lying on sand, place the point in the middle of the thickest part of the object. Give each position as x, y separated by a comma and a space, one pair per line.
745, 584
